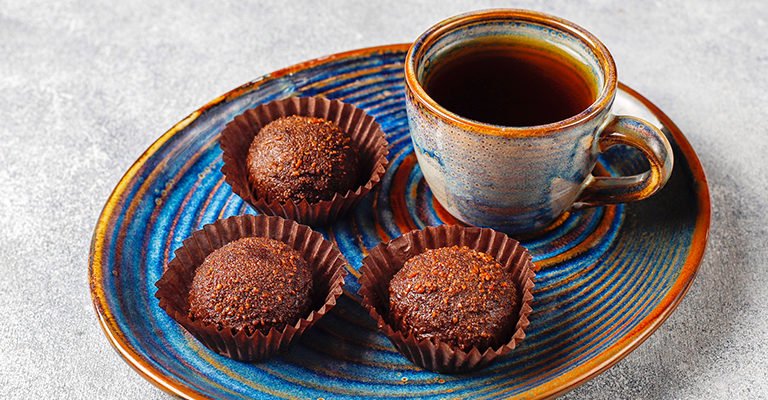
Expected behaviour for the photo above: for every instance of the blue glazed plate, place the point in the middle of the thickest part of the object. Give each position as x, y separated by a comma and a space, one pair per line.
607, 278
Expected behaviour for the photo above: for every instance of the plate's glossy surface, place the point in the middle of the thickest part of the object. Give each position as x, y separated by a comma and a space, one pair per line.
607, 278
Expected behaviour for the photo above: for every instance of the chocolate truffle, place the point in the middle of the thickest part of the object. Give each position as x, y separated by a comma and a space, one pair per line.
253, 283
455, 295
302, 158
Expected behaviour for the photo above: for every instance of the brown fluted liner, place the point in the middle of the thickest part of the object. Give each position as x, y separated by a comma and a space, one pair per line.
385, 260
366, 135
328, 272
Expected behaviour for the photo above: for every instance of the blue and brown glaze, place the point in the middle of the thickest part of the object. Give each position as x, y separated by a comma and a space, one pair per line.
519, 179
607, 277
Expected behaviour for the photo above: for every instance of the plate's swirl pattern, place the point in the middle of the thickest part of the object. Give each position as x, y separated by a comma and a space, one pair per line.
606, 279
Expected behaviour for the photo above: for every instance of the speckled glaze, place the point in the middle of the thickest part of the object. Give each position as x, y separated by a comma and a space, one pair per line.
607, 277
519, 179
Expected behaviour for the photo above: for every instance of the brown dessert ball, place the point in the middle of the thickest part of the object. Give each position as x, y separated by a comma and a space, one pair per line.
297, 158
456, 295
253, 283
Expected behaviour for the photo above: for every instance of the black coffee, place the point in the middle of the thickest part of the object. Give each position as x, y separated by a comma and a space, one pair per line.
510, 84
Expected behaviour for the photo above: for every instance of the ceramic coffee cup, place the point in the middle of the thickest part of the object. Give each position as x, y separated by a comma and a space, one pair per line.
503, 147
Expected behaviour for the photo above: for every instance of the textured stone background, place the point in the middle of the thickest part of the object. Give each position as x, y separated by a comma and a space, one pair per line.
87, 86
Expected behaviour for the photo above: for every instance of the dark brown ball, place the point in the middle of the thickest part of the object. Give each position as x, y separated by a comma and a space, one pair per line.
302, 158
455, 295
251, 283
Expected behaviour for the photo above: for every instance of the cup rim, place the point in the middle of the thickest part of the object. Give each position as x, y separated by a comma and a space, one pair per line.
603, 101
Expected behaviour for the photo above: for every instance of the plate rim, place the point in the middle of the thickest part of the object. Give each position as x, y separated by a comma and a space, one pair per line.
556, 387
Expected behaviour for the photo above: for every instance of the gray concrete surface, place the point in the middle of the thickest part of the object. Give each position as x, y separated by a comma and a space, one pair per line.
86, 86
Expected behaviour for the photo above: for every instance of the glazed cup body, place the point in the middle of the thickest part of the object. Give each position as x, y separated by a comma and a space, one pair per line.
519, 179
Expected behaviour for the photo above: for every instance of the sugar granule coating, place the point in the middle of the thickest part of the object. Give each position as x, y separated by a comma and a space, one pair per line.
253, 283
297, 158
455, 295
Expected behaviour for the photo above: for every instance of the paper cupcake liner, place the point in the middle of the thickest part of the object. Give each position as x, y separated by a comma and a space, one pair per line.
385, 260
328, 272
366, 135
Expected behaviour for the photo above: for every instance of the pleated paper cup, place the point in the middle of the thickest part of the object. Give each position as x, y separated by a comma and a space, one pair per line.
386, 259
328, 272
365, 134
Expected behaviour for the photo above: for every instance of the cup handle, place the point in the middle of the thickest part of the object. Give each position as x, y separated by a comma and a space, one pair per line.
643, 136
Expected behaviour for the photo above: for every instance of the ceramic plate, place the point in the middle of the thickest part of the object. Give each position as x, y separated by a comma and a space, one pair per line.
607, 277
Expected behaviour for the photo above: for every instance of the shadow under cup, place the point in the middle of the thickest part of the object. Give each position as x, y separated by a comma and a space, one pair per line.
506, 111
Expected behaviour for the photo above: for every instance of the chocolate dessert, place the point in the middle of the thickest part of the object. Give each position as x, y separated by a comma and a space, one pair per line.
302, 158
253, 283
455, 295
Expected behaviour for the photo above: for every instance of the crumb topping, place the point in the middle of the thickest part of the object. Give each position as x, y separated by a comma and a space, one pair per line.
297, 158
455, 295
252, 283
